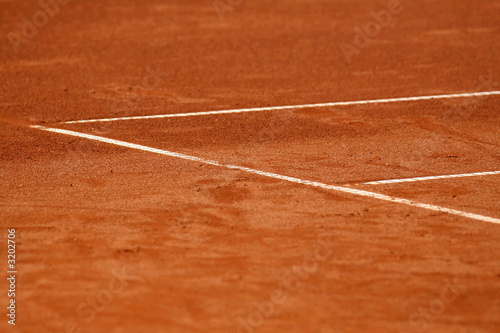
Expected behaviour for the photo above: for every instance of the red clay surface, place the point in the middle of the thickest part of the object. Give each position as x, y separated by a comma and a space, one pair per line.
199, 248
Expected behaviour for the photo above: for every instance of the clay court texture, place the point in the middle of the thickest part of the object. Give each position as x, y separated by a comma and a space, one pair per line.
251, 166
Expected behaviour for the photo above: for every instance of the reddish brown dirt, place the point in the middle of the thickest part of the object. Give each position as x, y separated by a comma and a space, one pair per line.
203, 248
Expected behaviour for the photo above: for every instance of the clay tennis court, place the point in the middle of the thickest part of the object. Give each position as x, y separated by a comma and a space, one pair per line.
251, 166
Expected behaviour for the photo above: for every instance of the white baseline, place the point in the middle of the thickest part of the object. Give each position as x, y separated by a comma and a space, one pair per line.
417, 179
274, 175
289, 107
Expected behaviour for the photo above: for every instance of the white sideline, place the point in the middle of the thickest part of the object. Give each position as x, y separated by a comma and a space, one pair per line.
289, 107
416, 179
273, 175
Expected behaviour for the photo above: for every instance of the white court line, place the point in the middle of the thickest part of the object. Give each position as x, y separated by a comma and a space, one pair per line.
416, 179
289, 107
274, 175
